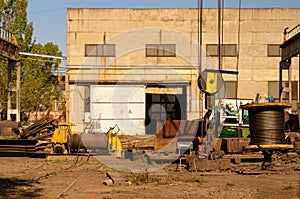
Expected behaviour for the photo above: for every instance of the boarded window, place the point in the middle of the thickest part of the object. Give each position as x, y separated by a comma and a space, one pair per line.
160, 50
100, 50
274, 50
226, 50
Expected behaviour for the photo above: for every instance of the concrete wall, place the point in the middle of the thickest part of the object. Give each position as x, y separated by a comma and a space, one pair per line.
131, 29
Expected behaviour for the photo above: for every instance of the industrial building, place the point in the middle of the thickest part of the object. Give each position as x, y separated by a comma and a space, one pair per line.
130, 66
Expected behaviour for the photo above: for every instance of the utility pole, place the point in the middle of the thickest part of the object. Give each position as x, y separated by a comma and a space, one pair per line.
200, 20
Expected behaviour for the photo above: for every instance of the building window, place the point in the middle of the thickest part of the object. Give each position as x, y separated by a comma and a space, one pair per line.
100, 50
273, 90
227, 50
163, 107
274, 50
230, 89
160, 50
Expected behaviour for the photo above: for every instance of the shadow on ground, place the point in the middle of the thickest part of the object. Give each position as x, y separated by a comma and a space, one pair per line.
16, 188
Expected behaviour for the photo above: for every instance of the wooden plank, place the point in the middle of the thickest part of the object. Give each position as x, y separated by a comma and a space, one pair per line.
165, 144
269, 146
255, 156
208, 165
266, 104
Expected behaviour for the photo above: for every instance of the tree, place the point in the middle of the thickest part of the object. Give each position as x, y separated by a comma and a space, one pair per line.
37, 77
38, 83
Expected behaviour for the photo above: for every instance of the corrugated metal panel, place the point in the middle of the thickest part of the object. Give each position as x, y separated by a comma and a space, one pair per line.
123, 105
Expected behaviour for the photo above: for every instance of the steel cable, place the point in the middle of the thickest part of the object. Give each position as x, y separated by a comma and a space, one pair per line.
266, 126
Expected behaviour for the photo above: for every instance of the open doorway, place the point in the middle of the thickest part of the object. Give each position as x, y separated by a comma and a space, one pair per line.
164, 104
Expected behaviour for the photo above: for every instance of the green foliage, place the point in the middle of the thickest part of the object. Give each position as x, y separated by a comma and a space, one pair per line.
288, 187
3, 83
230, 184
38, 83
196, 179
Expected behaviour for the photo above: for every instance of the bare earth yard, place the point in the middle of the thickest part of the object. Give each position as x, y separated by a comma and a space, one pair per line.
24, 177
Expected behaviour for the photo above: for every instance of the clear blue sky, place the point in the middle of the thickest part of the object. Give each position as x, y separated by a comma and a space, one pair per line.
49, 16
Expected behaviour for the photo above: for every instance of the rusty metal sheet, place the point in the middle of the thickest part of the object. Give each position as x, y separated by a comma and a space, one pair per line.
174, 128
291, 47
234, 145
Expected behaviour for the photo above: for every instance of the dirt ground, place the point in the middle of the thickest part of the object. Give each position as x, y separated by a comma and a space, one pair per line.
58, 177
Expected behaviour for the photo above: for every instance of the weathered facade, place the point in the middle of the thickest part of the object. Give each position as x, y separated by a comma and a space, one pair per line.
128, 66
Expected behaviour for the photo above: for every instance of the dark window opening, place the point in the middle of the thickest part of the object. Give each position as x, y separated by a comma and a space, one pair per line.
274, 50
160, 50
230, 89
100, 50
226, 50
273, 90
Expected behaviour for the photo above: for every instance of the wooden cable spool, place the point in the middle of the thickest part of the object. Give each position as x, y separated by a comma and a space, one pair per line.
266, 122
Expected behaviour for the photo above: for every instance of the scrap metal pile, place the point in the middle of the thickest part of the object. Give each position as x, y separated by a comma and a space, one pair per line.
40, 130
27, 138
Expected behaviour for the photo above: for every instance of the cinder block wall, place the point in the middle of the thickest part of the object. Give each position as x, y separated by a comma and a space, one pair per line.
131, 29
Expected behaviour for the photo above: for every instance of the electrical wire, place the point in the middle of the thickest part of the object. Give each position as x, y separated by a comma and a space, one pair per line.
219, 34
45, 11
238, 47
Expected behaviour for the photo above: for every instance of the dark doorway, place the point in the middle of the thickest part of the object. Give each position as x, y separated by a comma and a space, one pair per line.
164, 107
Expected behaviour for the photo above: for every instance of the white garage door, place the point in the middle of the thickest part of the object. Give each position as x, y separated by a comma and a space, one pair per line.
123, 105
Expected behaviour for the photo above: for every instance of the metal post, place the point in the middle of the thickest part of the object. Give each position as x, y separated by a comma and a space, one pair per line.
18, 118
219, 34
280, 82
9, 89
200, 19
290, 84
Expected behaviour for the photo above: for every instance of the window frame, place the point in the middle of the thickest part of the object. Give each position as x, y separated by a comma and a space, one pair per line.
227, 93
160, 50
100, 50
273, 55
224, 50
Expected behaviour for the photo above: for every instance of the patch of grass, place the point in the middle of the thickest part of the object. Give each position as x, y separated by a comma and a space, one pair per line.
196, 179
230, 184
62, 161
298, 160
288, 187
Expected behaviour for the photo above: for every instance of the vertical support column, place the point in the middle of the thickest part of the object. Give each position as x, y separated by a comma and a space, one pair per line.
9, 88
290, 84
18, 92
200, 30
284, 65
13, 65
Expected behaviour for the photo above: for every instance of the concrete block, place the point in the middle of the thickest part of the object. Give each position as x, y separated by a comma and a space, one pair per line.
265, 75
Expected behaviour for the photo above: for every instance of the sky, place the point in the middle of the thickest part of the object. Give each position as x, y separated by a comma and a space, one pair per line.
49, 16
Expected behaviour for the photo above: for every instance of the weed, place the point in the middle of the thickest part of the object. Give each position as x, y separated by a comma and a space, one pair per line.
288, 187
230, 184
196, 179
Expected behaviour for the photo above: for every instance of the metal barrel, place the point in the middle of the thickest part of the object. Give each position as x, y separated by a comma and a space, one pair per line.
75, 142
95, 141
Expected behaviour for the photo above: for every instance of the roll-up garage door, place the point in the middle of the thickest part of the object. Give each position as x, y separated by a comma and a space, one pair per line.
123, 105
